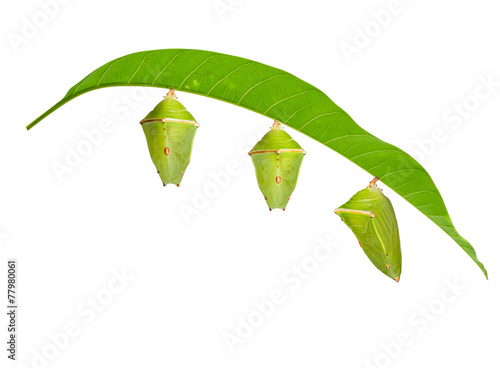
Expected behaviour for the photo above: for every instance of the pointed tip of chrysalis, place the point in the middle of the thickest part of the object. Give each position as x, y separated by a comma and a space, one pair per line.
178, 185
396, 279
164, 184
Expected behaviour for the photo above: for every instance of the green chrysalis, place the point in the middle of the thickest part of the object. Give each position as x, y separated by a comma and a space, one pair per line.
370, 216
277, 159
170, 131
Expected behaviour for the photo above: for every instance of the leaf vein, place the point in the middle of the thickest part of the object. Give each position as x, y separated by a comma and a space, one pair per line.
227, 76
195, 69
287, 98
166, 66
317, 117
139, 67
258, 84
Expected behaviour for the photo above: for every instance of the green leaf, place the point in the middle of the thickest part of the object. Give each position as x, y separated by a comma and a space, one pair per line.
281, 96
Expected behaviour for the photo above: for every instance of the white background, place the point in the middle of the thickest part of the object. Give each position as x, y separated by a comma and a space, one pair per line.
194, 281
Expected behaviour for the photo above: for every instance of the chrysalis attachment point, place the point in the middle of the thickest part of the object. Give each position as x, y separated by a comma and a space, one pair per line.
374, 182
370, 216
170, 131
277, 159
